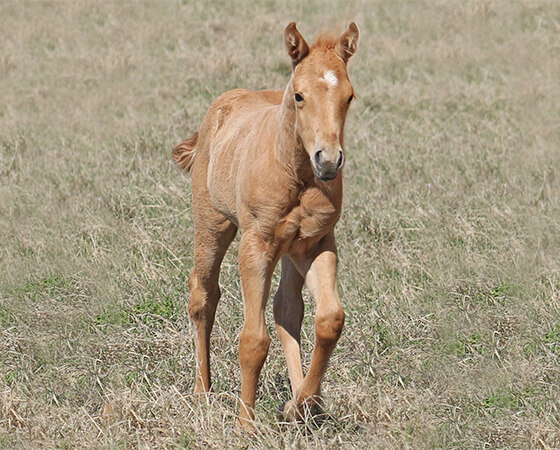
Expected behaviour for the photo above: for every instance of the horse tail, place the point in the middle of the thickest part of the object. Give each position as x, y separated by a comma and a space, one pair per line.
185, 152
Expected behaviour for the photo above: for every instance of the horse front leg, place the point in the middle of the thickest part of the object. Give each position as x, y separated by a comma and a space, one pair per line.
255, 266
320, 277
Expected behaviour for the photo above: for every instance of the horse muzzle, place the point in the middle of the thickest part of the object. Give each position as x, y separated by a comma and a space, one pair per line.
326, 163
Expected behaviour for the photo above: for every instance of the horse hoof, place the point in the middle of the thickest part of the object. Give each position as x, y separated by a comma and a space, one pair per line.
245, 426
306, 412
288, 412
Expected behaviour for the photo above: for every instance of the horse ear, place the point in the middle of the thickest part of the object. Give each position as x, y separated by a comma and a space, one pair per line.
296, 45
348, 43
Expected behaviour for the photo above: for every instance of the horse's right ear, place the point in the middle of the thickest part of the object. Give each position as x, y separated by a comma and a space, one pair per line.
296, 45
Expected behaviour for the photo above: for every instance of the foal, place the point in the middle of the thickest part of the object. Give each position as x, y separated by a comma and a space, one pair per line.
269, 163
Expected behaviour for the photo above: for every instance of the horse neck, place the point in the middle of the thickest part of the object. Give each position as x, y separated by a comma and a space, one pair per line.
290, 152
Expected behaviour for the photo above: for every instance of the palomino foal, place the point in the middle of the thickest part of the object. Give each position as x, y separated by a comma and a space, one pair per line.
269, 163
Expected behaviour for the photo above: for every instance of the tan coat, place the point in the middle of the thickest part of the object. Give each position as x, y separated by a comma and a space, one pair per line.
270, 164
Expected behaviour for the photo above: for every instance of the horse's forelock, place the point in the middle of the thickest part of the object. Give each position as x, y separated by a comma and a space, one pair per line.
326, 40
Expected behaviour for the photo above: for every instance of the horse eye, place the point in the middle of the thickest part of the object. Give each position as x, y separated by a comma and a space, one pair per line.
350, 98
298, 97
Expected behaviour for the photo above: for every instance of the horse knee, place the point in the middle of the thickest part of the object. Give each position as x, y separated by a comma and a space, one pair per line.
197, 308
328, 325
203, 299
253, 346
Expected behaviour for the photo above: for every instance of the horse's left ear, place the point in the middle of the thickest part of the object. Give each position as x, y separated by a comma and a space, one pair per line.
348, 43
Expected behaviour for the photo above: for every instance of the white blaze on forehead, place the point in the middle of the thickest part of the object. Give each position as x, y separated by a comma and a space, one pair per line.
330, 78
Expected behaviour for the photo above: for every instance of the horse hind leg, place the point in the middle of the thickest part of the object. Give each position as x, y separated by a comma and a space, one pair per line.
288, 315
211, 244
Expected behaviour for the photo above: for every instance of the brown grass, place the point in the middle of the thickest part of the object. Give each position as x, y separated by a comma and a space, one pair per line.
449, 239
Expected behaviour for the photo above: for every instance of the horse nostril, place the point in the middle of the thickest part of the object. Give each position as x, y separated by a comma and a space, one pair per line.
318, 157
340, 160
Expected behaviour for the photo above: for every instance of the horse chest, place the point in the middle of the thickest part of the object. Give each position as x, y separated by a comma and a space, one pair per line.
308, 222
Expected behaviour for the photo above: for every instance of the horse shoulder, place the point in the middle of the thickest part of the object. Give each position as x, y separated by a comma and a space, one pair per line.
265, 197
320, 210
308, 220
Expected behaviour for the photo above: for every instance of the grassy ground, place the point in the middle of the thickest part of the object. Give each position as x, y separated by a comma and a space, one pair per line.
449, 240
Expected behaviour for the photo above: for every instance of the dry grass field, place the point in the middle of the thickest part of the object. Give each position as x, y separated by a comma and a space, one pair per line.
449, 241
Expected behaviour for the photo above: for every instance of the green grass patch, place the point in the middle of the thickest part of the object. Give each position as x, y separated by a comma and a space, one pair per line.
5, 317
502, 399
113, 316
463, 346
54, 285
497, 295
154, 309
551, 340
510, 399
